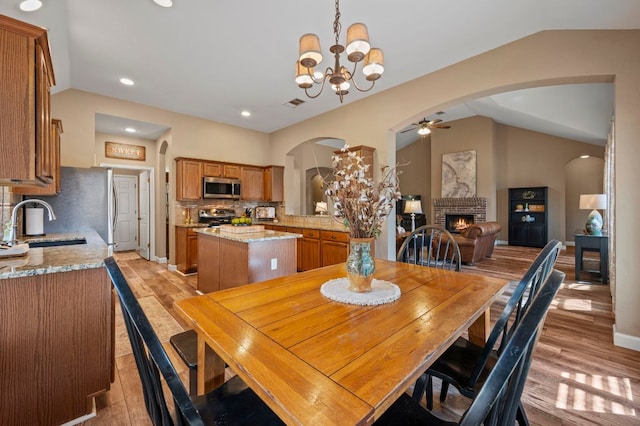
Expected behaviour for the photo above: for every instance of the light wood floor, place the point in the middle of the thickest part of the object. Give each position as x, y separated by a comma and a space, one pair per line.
578, 377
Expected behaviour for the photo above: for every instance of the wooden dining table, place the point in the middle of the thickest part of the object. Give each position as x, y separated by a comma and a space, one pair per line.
315, 361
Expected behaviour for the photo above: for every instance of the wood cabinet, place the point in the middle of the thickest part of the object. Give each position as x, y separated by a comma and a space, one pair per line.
299, 247
57, 339
366, 152
53, 187
528, 216
334, 247
186, 250
274, 183
232, 171
229, 171
226, 263
26, 77
310, 249
189, 175
252, 183
212, 169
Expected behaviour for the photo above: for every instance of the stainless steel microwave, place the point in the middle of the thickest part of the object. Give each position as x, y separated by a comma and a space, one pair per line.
213, 187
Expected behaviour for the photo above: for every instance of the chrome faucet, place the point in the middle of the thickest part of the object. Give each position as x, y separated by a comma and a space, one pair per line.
14, 226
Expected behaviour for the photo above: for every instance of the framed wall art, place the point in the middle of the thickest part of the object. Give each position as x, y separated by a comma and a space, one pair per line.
459, 174
124, 151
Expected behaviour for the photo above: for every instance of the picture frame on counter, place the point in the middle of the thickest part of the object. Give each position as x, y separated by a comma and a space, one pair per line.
124, 151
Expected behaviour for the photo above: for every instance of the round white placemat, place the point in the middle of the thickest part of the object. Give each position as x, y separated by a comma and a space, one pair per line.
381, 292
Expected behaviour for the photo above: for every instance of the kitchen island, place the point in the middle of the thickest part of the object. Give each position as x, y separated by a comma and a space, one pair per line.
229, 259
56, 311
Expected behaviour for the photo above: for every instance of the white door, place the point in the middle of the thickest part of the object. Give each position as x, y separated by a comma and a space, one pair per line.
125, 233
143, 184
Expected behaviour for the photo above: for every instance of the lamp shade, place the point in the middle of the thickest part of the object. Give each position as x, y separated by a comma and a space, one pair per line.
357, 42
310, 55
413, 206
374, 64
593, 201
321, 207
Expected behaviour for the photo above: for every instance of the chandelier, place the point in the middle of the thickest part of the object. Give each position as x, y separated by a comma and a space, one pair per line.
339, 77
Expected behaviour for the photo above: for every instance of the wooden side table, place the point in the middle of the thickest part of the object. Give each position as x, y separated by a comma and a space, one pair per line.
599, 243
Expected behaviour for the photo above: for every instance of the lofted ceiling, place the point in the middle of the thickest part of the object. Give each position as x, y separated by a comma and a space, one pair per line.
213, 59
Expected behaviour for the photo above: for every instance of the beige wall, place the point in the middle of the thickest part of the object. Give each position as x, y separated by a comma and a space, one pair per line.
532, 159
99, 149
545, 58
415, 177
583, 176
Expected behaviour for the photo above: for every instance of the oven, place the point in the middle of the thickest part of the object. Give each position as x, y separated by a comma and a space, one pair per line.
213, 187
216, 217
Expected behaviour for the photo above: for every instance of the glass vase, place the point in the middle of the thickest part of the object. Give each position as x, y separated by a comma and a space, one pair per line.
360, 264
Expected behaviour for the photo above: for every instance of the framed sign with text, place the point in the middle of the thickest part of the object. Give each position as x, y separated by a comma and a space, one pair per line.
124, 151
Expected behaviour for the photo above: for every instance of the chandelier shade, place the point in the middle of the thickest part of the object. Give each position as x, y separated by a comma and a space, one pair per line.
358, 49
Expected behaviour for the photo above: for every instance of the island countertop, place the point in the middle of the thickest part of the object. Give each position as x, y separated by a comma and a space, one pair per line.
48, 260
250, 237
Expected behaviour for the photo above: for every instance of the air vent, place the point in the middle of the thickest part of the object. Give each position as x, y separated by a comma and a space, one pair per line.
294, 103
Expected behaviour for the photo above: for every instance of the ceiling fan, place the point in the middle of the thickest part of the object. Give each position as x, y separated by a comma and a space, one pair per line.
424, 126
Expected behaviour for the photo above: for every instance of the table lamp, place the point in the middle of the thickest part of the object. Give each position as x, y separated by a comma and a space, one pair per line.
413, 207
593, 202
321, 208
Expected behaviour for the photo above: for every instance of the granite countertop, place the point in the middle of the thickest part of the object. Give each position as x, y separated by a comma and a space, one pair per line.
48, 260
192, 225
249, 237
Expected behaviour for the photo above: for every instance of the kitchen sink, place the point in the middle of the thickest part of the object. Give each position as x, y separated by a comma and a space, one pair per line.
53, 243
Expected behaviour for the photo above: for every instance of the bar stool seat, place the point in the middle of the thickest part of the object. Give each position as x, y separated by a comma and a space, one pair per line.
186, 345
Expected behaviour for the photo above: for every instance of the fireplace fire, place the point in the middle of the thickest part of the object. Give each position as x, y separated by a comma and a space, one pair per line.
457, 222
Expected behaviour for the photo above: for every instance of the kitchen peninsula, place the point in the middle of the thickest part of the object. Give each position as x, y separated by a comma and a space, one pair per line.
56, 311
229, 259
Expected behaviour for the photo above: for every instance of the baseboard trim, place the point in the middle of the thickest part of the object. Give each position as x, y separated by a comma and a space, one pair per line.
161, 259
172, 268
82, 419
625, 340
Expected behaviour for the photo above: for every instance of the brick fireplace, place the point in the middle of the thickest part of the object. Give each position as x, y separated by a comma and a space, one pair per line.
472, 206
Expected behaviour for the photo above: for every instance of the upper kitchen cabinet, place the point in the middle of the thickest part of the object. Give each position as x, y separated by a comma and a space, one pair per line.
26, 77
52, 188
364, 152
252, 183
274, 183
189, 174
229, 171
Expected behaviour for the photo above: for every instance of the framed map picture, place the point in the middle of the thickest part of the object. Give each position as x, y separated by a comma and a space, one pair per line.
459, 174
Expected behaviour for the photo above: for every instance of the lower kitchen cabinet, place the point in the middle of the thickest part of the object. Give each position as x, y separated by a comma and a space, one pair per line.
310, 249
57, 350
186, 250
298, 247
334, 247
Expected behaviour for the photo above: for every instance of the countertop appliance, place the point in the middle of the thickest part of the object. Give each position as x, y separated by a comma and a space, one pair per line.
216, 216
213, 187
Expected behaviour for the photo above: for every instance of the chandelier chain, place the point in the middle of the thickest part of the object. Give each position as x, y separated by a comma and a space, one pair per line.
337, 27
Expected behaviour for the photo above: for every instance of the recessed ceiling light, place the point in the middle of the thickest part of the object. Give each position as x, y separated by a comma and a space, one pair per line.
584, 156
30, 5
130, 130
245, 113
127, 81
163, 3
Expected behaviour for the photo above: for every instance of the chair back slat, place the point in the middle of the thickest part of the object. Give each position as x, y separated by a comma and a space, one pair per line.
151, 359
498, 399
517, 305
431, 246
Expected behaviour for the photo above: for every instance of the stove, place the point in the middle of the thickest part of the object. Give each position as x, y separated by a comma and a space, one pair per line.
216, 216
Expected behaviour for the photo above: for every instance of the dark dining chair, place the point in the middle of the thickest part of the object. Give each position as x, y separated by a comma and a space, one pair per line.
498, 399
466, 365
432, 246
232, 403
